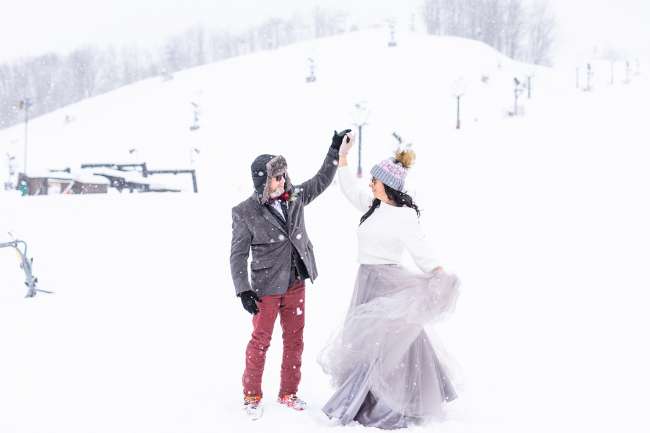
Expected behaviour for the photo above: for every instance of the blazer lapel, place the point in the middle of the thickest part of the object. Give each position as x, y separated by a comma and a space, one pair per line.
287, 215
266, 212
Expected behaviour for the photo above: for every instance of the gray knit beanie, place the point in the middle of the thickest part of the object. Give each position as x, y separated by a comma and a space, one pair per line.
392, 171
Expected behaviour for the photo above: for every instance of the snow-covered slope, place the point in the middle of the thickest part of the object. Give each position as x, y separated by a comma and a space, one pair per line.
544, 218
262, 102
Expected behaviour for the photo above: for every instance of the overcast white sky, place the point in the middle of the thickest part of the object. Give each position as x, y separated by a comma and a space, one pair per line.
31, 27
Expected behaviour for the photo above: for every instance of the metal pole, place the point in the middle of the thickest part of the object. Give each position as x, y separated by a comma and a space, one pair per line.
196, 189
529, 84
516, 96
457, 111
26, 102
359, 169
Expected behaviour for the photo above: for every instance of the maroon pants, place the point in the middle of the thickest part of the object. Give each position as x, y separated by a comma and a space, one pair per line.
291, 307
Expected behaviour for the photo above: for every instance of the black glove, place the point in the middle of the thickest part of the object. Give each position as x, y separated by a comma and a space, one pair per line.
248, 299
337, 139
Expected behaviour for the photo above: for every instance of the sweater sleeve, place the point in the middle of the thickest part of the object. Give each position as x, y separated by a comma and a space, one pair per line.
361, 199
418, 246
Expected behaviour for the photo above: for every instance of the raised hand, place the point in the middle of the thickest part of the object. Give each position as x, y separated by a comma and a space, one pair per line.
337, 138
347, 144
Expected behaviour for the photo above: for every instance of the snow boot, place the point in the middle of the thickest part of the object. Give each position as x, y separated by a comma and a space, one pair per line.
253, 407
292, 401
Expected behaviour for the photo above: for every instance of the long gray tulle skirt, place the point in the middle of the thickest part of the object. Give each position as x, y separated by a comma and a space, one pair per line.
381, 361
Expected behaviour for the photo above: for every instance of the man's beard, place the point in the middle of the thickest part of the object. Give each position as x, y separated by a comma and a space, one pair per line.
277, 193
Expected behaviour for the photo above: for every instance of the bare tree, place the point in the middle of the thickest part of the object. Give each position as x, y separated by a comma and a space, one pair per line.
53, 81
493, 23
82, 63
46, 91
541, 33
513, 28
328, 22
431, 13
474, 26
195, 46
452, 17
503, 24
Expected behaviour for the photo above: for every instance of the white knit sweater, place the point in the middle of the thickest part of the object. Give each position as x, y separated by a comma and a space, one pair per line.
391, 230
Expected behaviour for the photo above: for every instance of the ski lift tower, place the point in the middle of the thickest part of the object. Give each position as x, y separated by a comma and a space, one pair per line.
11, 172
589, 77
400, 140
458, 90
25, 104
518, 90
391, 41
361, 120
194, 154
312, 70
25, 264
196, 110
529, 83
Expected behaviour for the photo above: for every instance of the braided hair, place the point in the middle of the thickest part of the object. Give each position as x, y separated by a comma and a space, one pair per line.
399, 198
375, 204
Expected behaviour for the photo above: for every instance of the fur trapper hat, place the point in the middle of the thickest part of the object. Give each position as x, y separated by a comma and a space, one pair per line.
263, 169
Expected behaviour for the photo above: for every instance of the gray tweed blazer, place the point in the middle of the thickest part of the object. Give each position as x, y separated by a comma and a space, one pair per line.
256, 232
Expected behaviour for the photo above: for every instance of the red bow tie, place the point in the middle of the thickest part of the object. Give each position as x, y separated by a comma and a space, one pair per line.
282, 197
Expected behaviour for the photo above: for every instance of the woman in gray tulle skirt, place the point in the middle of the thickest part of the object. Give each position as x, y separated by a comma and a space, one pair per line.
381, 361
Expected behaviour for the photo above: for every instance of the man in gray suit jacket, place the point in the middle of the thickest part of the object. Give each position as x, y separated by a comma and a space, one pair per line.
270, 227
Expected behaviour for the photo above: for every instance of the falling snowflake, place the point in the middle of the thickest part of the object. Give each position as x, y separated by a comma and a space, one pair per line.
298, 312
299, 236
260, 173
281, 237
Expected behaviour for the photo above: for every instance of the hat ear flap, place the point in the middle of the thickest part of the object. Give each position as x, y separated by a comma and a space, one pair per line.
266, 193
288, 186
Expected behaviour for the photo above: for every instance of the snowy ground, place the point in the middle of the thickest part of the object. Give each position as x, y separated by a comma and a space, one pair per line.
544, 218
